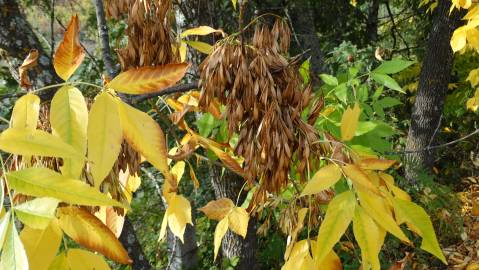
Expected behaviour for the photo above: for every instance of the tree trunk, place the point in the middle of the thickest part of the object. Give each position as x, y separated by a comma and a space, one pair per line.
228, 185
372, 23
17, 39
431, 94
133, 247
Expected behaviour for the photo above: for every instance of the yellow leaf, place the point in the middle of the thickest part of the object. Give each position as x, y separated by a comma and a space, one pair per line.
41, 245
370, 238
238, 221
473, 77
330, 262
111, 219
193, 176
69, 54
104, 136
164, 225
146, 80
179, 214
60, 263
79, 259
25, 112
69, 121
473, 38
349, 122
377, 209
472, 104
200, 31
338, 216
359, 178
414, 214
218, 209
375, 164
322, 180
43, 182
37, 213
146, 137
13, 256
178, 170
36, 143
300, 257
4, 224
220, 232
201, 46
88, 231
458, 40
465, 4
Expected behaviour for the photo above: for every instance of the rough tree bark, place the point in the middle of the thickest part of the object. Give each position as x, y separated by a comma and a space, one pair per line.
17, 39
228, 185
431, 94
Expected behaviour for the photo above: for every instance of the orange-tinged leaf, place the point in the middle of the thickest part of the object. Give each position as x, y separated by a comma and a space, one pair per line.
36, 143
69, 54
79, 259
111, 219
375, 164
29, 62
322, 180
229, 161
349, 122
145, 136
338, 217
146, 80
220, 232
104, 136
69, 121
238, 221
88, 231
41, 245
218, 209
359, 178
25, 112
193, 176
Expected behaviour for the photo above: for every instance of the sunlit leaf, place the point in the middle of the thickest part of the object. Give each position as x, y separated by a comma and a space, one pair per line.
393, 66
369, 236
41, 246
330, 262
238, 221
179, 214
37, 213
13, 256
349, 122
387, 81
88, 231
4, 224
146, 80
200, 31
359, 178
178, 170
79, 259
377, 209
69, 54
220, 232
218, 209
338, 217
60, 263
146, 137
69, 121
43, 182
375, 164
36, 143
322, 180
25, 112
104, 136
111, 219
201, 46
414, 214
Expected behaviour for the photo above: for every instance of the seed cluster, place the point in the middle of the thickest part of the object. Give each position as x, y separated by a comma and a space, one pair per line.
264, 95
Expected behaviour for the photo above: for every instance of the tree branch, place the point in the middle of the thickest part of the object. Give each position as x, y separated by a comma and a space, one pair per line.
180, 88
104, 39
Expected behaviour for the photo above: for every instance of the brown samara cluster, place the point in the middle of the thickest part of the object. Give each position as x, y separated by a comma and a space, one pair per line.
265, 97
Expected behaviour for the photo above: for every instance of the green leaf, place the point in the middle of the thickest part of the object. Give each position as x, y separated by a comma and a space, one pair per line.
42, 182
36, 143
338, 217
387, 81
37, 213
304, 71
413, 214
4, 223
206, 124
69, 121
14, 256
389, 102
393, 66
329, 79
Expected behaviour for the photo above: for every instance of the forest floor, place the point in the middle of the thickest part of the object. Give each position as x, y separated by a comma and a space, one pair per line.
465, 254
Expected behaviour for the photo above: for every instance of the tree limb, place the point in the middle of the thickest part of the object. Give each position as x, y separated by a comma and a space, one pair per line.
180, 88
104, 39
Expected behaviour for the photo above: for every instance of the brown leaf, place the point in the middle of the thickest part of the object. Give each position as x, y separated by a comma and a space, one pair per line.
29, 62
375, 164
146, 80
88, 231
69, 54
218, 209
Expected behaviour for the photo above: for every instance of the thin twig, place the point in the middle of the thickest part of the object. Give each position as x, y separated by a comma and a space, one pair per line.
52, 29
180, 88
